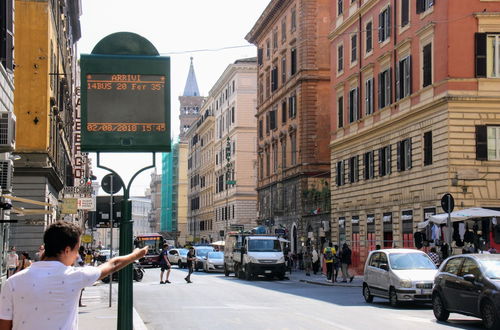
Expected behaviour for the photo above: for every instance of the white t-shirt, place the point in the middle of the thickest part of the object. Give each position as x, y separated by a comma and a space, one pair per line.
12, 259
45, 295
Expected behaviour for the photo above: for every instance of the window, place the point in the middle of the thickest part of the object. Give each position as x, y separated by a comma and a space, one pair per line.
384, 88
405, 12
470, 267
293, 19
340, 58
404, 155
275, 39
283, 70
427, 65
353, 105
283, 153
487, 142
369, 165
7, 34
369, 37
384, 160
428, 148
353, 169
261, 130
453, 265
275, 157
403, 78
268, 120
261, 166
340, 111
283, 30
293, 142
369, 96
293, 61
268, 48
340, 173
268, 162
340, 7
354, 48
283, 112
424, 5
384, 24
487, 55
268, 84
274, 78
272, 119
292, 106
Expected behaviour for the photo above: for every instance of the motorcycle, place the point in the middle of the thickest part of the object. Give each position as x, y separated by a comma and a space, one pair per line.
137, 271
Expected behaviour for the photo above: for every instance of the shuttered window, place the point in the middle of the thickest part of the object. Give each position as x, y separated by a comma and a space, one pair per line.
7, 34
340, 111
427, 65
428, 148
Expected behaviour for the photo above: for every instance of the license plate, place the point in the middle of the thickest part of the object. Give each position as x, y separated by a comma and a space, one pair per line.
267, 271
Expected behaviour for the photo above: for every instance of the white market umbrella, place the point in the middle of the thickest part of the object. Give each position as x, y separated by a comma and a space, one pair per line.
219, 243
461, 215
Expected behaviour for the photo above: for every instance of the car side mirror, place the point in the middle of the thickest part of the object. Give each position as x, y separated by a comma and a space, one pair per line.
469, 278
384, 267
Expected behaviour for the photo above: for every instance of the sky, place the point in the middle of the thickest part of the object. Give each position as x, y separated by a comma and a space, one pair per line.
179, 29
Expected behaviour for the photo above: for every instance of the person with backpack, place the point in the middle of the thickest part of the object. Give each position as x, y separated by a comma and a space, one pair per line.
328, 254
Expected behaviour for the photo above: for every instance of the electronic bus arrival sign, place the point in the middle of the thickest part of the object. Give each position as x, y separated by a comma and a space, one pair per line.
125, 96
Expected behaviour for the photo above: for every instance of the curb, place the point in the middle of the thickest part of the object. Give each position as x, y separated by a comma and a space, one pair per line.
138, 323
346, 285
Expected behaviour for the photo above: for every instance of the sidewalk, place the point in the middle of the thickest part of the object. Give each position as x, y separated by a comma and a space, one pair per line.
320, 279
97, 314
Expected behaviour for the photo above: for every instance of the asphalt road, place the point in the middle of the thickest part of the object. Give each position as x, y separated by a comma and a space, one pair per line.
214, 301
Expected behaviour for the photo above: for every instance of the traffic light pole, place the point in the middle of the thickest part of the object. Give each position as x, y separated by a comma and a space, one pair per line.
125, 278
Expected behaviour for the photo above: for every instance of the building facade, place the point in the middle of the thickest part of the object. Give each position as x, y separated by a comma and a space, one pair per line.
410, 119
141, 208
155, 197
46, 81
293, 117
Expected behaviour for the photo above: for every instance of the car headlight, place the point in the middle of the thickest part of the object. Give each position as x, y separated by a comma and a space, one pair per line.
405, 283
252, 259
281, 260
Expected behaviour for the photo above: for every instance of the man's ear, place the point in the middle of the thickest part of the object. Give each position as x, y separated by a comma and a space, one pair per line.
67, 250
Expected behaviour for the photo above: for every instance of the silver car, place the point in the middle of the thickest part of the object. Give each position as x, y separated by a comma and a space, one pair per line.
399, 275
214, 262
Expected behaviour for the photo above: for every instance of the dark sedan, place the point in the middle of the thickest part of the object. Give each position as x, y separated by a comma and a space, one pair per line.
469, 284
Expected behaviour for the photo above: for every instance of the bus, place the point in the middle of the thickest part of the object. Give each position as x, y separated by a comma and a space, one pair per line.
155, 243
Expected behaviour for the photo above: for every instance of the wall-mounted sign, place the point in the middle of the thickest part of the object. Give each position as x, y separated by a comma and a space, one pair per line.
69, 206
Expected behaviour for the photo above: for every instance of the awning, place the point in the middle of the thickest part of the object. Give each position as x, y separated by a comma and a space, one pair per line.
218, 243
24, 211
465, 214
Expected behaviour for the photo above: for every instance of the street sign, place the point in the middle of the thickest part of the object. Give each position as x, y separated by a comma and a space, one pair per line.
80, 191
448, 203
116, 224
69, 206
231, 181
106, 183
86, 238
86, 204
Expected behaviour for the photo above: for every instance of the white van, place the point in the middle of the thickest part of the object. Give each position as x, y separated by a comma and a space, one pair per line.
249, 255
399, 275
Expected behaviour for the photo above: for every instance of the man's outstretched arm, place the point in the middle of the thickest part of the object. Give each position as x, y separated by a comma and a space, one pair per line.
117, 263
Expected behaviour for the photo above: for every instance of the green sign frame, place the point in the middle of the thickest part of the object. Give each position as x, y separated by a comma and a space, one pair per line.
125, 100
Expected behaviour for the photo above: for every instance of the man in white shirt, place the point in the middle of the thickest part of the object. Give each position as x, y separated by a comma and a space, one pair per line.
45, 295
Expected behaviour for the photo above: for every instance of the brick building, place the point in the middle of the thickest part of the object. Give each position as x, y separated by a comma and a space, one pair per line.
293, 119
415, 114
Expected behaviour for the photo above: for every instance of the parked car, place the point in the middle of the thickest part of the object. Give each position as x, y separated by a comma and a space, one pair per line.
469, 284
201, 252
399, 275
103, 255
214, 262
177, 256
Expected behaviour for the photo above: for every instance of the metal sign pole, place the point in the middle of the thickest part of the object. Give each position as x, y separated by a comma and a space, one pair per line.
111, 237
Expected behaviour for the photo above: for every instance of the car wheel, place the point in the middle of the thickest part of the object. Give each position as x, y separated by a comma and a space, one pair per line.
490, 319
393, 297
248, 275
438, 308
226, 272
281, 277
367, 294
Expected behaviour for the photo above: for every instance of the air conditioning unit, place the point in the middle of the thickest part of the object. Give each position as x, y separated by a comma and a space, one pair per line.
6, 175
7, 131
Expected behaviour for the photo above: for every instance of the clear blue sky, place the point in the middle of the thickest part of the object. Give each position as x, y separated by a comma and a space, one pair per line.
177, 29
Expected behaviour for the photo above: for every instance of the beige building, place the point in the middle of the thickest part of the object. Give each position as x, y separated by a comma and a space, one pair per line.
182, 194
154, 193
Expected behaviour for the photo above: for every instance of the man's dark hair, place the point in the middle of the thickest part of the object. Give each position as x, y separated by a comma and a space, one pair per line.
60, 235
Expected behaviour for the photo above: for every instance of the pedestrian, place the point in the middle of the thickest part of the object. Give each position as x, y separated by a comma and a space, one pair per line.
39, 254
164, 264
308, 261
191, 259
25, 261
45, 295
315, 261
336, 263
12, 261
328, 254
345, 261
436, 259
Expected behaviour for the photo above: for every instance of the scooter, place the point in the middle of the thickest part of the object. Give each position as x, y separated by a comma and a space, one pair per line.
138, 273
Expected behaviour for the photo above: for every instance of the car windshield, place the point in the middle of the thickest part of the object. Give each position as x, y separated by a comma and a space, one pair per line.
202, 252
264, 245
401, 261
216, 255
492, 269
